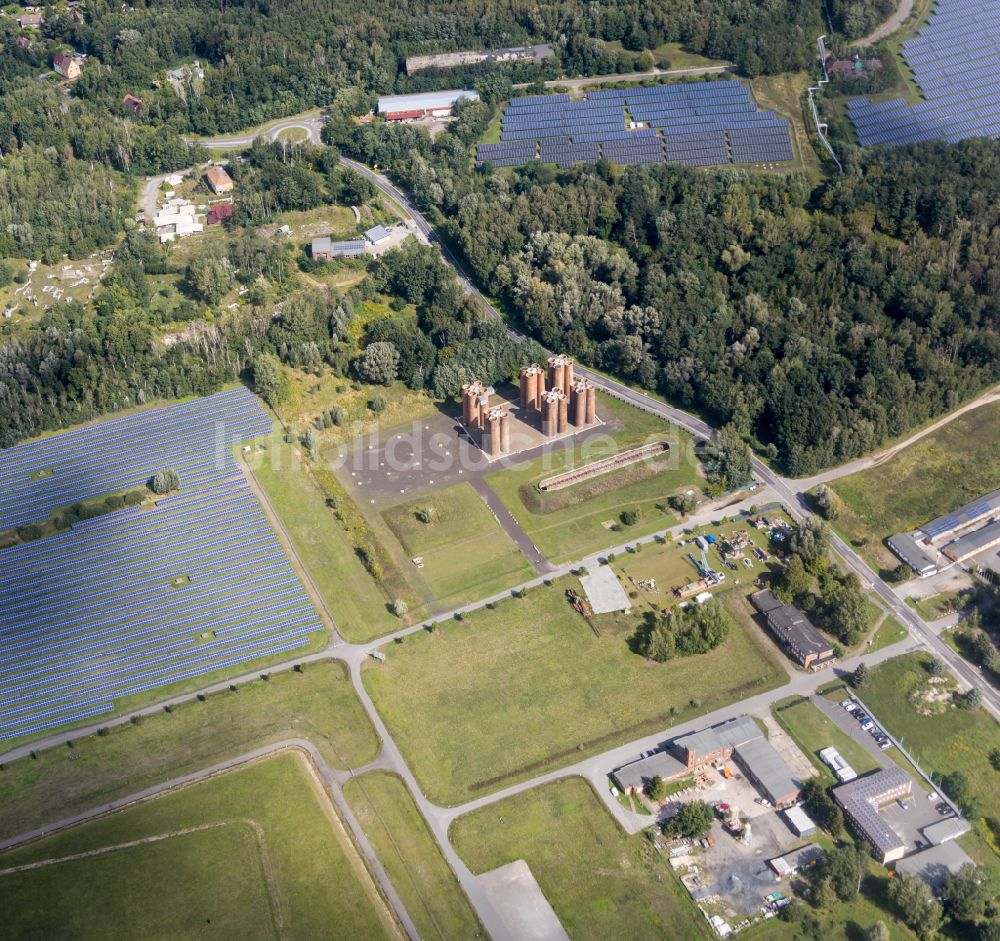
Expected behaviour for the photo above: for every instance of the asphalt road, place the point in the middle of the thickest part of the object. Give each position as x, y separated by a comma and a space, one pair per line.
789, 492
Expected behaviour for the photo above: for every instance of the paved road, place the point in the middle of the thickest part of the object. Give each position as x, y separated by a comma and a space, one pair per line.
310, 121
577, 84
789, 492
512, 527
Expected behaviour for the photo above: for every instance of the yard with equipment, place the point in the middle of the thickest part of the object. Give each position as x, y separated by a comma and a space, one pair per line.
949, 467
571, 522
463, 552
507, 693
406, 848
212, 859
317, 703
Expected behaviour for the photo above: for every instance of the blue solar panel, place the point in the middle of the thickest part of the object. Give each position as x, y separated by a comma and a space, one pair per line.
93, 614
954, 62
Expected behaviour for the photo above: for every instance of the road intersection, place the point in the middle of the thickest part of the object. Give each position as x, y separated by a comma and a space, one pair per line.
593, 768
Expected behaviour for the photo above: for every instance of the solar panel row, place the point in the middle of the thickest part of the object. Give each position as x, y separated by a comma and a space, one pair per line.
138, 599
954, 62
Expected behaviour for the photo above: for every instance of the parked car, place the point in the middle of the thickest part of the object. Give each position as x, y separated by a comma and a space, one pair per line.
848, 704
885, 743
943, 809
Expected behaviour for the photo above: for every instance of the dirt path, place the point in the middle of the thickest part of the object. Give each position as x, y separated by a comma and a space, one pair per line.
874, 460
890, 26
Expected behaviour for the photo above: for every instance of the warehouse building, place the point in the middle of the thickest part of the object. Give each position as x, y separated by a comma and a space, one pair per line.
768, 772
944, 527
796, 634
799, 822
323, 249
861, 800
796, 861
716, 743
634, 776
971, 544
916, 551
434, 104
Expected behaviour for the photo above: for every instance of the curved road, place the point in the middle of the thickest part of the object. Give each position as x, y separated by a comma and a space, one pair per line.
789, 492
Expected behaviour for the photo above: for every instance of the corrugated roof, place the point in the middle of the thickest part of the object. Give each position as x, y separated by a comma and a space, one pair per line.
726, 735
426, 101
971, 543
769, 769
963, 516
636, 773
948, 829
918, 557
376, 233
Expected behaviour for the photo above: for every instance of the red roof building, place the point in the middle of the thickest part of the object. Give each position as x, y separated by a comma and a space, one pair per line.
404, 115
221, 213
133, 104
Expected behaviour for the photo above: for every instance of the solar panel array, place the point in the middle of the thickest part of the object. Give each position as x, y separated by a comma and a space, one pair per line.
954, 62
145, 597
690, 123
193, 438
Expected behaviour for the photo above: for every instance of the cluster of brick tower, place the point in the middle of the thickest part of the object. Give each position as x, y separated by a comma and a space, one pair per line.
475, 404
496, 441
559, 397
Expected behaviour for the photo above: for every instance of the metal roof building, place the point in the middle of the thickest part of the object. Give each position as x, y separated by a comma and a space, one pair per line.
861, 800
910, 548
958, 550
964, 516
768, 771
707, 744
799, 821
636, 774
794, 631
425, 101
377, 233
951, 828
792, 862
324, 248
935, 863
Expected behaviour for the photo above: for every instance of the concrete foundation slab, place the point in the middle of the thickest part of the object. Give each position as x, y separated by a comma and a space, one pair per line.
520, 903
605, 592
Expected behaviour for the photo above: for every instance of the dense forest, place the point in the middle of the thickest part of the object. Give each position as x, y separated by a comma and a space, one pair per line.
815, 321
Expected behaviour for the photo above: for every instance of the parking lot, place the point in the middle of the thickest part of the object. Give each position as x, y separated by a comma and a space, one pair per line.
921, 808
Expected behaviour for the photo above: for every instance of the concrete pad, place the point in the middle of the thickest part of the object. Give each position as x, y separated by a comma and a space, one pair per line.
935, 864
605, 592
519, 902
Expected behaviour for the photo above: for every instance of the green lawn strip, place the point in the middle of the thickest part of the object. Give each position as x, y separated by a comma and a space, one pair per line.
889, 632
461, 533
325, 548
944, 738
580, 527
429, 890
812, 731
318, 704
319, 884
601, 883
182, 891
526, 686
937, 606
949, 467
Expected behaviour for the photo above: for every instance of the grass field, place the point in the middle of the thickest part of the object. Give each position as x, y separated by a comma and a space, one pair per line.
680, 58
937, 606
352, 596
318, 704
783, 95
429, 890
941, 737
225, 863
812, 732
466, 554
575, 529
601, 883
889, 632
509, 692
949, 467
